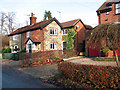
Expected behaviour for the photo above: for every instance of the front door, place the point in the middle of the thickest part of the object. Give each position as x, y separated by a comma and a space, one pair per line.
30, 48
64, 45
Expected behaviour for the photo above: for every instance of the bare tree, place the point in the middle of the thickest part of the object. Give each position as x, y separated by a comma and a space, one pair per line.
7, 22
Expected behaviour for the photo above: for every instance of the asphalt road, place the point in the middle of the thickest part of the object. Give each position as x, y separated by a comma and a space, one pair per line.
15, 79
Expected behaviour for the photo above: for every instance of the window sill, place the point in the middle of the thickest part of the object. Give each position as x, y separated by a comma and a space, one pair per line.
53, 49
53, 35
15, 40
117, 14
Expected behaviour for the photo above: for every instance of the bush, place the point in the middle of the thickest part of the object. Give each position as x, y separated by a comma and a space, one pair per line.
22, 51
10, 56
92, 75
8, 50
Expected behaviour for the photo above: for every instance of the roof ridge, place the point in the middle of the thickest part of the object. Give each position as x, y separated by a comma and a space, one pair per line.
71, 20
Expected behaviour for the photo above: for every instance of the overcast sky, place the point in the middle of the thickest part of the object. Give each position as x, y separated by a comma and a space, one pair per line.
70, 9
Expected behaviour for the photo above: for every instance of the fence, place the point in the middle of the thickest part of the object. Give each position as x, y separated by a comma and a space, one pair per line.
46, 56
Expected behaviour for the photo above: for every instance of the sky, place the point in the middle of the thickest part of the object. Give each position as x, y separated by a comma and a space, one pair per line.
70, 10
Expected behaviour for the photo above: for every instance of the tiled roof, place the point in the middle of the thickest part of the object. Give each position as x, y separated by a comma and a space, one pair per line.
88, 27
42, 24
107, 4
39, 25
72, 23
69, 24
34, 40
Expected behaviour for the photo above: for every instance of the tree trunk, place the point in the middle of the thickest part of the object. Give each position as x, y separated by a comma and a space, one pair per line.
116, 58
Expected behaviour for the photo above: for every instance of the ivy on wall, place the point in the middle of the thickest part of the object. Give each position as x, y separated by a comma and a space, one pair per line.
70, 38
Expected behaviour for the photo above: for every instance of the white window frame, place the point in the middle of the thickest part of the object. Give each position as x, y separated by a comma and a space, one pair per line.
54, 31
37, 46
64, 32
15, 46
117, 8
54, 46
107, 13
28, 34
15, 37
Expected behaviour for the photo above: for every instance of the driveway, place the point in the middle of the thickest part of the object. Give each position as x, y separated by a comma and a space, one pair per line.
90, 61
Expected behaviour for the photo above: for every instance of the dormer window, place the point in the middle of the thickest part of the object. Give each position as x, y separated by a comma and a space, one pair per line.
117, 8
107, 13
28, 34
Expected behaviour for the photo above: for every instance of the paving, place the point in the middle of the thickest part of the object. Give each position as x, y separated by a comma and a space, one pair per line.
90, 61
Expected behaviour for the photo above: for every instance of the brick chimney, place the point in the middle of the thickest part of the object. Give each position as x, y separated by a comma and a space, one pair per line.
32, 19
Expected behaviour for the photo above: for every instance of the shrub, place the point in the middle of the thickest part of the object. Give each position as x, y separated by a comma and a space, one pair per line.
22, 51
92, 75
8, 50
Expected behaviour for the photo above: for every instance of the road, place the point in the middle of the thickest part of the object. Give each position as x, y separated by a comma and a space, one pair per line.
12, 78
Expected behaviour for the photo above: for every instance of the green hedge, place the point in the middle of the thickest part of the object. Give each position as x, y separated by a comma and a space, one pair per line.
92, 75
105, 59
11, 56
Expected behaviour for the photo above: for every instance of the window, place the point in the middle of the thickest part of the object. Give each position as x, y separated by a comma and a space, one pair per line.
117, 8
107, 13
16, 48
37, 46
53, 31
28, 34
65, 32
77, 27
15, 37
53, 46
106, 19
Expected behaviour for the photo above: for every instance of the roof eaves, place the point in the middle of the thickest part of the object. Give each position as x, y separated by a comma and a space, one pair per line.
53, 19
76, 22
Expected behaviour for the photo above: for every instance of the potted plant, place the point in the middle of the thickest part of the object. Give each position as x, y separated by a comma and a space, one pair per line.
105, 51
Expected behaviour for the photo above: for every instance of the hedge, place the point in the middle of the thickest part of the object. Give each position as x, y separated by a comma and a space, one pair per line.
105, 59
92, 75
11, 56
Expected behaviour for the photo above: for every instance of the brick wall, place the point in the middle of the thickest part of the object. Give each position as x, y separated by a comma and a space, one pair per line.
80, 36
112, 17
38, 34
49, 39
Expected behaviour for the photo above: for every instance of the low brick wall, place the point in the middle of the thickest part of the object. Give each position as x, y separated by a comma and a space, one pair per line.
43, 57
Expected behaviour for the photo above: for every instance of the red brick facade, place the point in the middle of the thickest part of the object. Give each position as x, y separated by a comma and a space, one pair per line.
38, 34
80, 36
108, 18
106, 14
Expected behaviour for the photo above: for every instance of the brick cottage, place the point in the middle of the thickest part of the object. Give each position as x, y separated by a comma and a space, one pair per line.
46, 35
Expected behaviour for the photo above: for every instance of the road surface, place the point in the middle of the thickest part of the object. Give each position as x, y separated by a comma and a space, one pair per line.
12, 78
